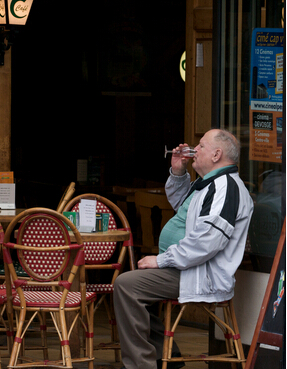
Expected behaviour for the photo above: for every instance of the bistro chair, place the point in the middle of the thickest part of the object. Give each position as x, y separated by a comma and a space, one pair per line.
46, 254
67, 195
153, 210
228, 325
98, 255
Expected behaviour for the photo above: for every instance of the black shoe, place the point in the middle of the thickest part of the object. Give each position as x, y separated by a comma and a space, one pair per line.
174, 365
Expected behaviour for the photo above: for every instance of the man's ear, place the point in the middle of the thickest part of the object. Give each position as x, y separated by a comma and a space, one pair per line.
217, 155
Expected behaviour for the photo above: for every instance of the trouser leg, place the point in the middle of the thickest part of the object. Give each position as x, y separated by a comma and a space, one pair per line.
134, 292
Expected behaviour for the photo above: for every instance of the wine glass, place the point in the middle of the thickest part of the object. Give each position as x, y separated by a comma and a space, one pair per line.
185, 152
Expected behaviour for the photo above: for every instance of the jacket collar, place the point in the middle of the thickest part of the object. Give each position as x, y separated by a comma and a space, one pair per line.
200, 183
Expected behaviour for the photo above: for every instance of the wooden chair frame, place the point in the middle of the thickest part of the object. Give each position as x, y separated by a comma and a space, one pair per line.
67, 195
83, 312
127, 246
234, 350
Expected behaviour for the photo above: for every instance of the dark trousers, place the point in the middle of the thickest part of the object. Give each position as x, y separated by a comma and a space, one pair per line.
139, 326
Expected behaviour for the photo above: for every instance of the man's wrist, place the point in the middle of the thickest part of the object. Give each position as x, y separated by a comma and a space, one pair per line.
177, 173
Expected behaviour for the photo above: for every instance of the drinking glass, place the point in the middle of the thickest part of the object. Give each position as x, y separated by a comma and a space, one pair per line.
185, 152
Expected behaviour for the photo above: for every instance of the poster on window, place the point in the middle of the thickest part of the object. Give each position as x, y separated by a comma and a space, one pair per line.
266, 95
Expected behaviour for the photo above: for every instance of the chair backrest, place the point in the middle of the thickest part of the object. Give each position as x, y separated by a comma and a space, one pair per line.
42, 230
67, 195
43, 248
154, 211
101, 252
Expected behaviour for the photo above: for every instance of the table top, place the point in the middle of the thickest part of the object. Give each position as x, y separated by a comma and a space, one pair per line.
7, 215
109, 236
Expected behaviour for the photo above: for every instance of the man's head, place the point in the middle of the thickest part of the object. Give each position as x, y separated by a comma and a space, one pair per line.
216, 149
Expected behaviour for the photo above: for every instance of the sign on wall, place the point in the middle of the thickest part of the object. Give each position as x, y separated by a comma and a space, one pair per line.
182, 66
266, 95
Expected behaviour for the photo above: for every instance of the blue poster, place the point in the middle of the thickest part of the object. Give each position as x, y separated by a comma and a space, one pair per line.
266, 94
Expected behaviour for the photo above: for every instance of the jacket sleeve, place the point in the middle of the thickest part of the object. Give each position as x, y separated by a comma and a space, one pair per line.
176, 189
211, 230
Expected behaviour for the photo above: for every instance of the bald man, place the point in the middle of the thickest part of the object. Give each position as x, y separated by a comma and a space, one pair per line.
200, 248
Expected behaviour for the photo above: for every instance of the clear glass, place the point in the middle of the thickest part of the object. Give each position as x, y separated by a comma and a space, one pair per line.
185, 152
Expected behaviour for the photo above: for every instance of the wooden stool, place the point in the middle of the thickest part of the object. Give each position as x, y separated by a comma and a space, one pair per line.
234, 350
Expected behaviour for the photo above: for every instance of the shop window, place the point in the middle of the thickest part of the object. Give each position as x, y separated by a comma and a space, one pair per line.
260, 131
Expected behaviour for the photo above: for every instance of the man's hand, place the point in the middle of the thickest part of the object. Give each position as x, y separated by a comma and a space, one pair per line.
148, 262
178, 163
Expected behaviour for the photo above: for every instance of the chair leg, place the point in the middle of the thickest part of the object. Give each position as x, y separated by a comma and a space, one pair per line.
43, 331
66, 350
167, 319
237, 339
90, 335
114, 330
18, 340
228, 335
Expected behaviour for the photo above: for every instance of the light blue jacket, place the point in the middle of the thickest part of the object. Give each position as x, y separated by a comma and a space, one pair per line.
216, 229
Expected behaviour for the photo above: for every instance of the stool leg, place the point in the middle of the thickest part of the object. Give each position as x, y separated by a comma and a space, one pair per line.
229, 339
167, 324
237, 342
90, 344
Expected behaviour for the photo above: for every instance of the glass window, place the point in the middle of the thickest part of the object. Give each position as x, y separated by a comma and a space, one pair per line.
233, 70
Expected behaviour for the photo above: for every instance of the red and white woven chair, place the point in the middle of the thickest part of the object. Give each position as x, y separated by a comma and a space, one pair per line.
98, 255
47, 255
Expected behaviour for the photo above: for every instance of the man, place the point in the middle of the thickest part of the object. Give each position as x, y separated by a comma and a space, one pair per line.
201, 247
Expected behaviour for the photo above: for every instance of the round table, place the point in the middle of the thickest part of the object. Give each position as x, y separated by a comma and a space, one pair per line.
108, 236
7, 215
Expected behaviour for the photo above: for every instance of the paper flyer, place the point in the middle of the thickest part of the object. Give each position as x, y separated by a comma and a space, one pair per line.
7, 196
87, 215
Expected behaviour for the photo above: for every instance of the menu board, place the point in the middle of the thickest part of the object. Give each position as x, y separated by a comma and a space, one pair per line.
266, 95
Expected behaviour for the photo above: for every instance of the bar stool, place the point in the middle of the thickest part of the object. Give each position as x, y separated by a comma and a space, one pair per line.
234, 350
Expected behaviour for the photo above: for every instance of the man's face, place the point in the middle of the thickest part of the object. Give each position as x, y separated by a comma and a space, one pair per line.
202, 160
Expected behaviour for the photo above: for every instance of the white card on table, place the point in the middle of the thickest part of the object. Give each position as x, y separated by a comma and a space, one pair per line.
87, 215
